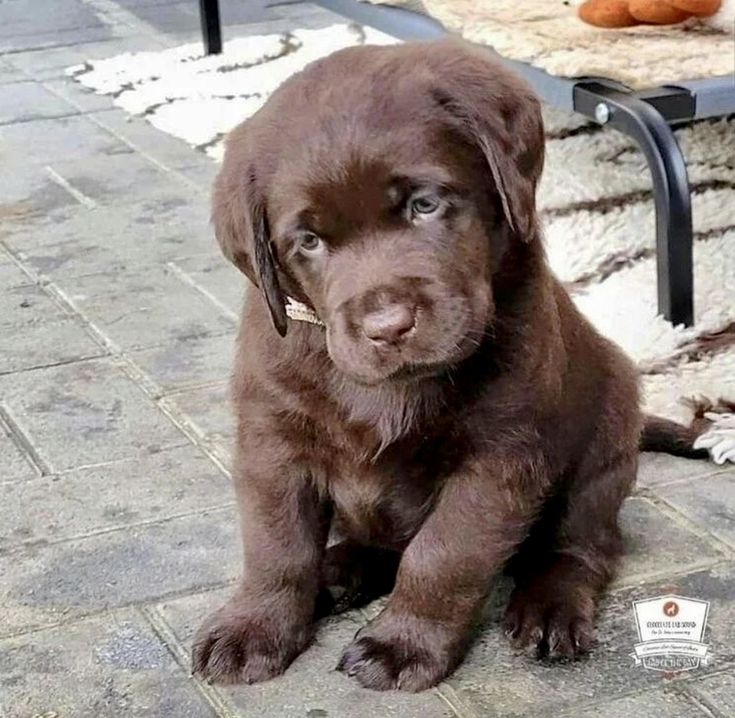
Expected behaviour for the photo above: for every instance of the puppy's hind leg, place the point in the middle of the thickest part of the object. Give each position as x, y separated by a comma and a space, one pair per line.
353, 575
567, 562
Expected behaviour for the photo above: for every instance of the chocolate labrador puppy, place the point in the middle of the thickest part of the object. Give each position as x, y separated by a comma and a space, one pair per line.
444, 411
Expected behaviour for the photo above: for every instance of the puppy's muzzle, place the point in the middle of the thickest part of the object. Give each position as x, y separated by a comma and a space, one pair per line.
390, 324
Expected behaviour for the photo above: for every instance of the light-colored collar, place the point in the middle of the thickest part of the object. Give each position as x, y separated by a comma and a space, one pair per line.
301, 313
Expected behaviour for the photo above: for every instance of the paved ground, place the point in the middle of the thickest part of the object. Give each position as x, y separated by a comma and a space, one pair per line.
117, 532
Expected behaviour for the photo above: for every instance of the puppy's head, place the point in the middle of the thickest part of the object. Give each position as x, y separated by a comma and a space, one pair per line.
384, 186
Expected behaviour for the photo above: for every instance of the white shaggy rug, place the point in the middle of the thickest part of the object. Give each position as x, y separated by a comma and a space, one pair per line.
595, 198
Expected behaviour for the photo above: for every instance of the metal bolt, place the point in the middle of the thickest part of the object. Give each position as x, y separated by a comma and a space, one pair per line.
602, 113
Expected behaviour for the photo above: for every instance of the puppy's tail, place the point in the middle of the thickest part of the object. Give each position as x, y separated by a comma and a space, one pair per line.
711, 432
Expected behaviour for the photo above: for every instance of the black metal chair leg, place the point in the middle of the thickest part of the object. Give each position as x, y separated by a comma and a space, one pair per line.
211, 28
647, 126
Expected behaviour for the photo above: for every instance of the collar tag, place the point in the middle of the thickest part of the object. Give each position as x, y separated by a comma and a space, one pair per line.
301, 313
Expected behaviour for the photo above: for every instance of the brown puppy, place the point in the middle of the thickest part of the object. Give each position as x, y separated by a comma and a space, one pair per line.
456, 411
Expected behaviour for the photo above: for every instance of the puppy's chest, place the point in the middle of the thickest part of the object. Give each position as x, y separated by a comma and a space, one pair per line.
381, 505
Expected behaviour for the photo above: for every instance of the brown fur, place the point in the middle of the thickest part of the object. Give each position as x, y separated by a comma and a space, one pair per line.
499, 426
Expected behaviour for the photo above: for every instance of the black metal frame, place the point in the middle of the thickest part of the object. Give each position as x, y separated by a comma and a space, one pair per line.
645, 116
211, 26
646, 121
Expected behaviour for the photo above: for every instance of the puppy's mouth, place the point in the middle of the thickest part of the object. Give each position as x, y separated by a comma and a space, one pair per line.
414, 372
403, 369
428, 351
404, 374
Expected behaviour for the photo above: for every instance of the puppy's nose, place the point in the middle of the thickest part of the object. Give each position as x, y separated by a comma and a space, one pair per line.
389, 324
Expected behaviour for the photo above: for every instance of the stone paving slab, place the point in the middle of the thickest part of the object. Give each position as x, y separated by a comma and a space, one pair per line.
46, 585
48, 343
52, 38
656, 543
708, 501
497, 681
114, 177
717, 691
659, 469
310, 688
652, 704
225, 284
207, 411
182, 17
11, 275
24, 101
44, 141
30, 190
45, 334
201, 174
113, 665
63, 22
189, 362
52, 63
85, 413
171, 151
151, 3
15, 464
27, 189
90, 180
126, 249
148, 307
27, 304
76, 240
20, 17
82, 98
106, 179
111, 496
29, 181
303, 14
9, 73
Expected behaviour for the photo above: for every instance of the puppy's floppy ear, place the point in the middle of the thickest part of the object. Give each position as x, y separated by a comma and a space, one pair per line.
241, 227
499, 114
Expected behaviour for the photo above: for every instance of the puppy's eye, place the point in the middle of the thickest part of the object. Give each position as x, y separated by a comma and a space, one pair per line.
424, 205
310, 243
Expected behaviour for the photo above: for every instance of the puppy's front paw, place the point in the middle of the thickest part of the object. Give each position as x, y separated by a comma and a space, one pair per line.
555, 625
238, 644
394, 653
